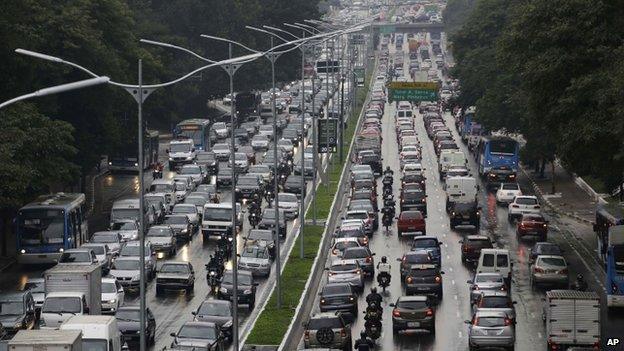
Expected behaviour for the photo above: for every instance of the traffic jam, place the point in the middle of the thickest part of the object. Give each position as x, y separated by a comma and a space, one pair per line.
439, 247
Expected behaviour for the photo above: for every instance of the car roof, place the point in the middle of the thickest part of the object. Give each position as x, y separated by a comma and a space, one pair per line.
340, 262
491, 313
489, 293
425, 237
413, 298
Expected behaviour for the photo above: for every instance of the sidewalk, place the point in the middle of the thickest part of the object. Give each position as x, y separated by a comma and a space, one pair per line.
573, 197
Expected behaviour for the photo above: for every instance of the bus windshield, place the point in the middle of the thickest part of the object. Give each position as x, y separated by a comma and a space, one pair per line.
125, 213
195, 135
504, 147
618, 258
218, 214
41, 226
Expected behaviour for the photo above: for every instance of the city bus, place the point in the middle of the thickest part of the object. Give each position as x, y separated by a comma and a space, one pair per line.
498, 157
49, 225
609, 229
128, 161
197, 129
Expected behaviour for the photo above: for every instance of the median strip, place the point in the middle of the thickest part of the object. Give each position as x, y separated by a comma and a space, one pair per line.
273, 323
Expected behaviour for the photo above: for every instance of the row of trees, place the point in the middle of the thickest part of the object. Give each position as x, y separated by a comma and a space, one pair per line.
55, 139
551, 70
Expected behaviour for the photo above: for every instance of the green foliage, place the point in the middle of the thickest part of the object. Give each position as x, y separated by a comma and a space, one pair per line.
456, 13
550, 70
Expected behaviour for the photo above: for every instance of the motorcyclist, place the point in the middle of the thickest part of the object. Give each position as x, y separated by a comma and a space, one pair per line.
374, 296
213, 265
388, 171
386, 218
224, 244
254, 204
580, 284
363, 343
383, 270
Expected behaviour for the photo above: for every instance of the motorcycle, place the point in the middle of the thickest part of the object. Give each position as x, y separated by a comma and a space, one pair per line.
253, 219
389, 201
387, 220
157, 174
387, 191
383, 279
387, 180
225, 245
373, 328
213, 278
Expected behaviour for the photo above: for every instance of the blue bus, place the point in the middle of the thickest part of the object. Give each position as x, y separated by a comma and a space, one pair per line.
498, 157
609, 228
197, 129
466, 122
49, 225
128, 161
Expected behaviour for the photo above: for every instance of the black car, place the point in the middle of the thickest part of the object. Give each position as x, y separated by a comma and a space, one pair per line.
414, 177
372, 160
17, 311
308, 168
369, 207
241, 134
128, 322
224, 176
249, 185
414, 199
293, 185
468, 213
208, 159
472, 245
424, 279
413, 312
268, 221
544, 248
292, 135
246, 288
338, 297
175, 275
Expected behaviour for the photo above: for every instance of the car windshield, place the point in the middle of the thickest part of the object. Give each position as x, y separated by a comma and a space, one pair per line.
125, 213
159, 232
553, 261
344, 267
266, 235
185, 209
179, 186
425, 243
533, 218
62, 305
431, 272
248, 181
243, 279
175, 268
510, 186
133, 250
413, 195
190, 170
350, 232
484, 243
176, 220
105, 238
548, 249
217, 214
412, 305
221, 147
418, 258
180, 147
94, 345
161, 188
411, 215
127, 315
210, 308
319, 323
495, 302
72, 257
526, 201
341, 245
109, 287
254, 252
197, 332
35, 287
124, 226
287, 197
335, 289
197, 201
126, 265
98, 250
490, 321
11, 308
489, 278
357, 252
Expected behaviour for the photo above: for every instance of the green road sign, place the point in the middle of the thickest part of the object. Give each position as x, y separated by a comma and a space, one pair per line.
413, 91
359, 76
327, 134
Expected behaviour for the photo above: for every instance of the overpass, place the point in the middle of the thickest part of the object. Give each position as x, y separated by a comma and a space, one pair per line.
388, 27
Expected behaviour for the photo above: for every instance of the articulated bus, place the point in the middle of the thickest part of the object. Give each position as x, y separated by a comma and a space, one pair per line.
609, 228
498, 157
49, 225
197, 129
128, 161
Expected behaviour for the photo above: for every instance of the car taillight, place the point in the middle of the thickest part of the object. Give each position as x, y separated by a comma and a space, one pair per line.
536, 206
396, 313
335, 251
538, 270
563, 271
368, 259
438, 279
503, 288
475, 321
330, 273
465, 248
508, 321
409, 280
429, 312
515, 206
521, 225
306, 334
424, 200
343, 333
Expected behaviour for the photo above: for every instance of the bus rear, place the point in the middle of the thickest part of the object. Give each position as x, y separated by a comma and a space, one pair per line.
196, 129
48, 226
498, 159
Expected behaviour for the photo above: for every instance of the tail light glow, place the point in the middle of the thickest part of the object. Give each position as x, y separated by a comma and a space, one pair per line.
396, 313
429, 312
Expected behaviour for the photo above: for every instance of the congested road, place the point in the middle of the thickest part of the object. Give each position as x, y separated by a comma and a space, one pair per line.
452, 333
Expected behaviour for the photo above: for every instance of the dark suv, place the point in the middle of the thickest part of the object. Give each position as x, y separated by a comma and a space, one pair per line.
472, 245
175, 275
249, 185
128, 322
338, 297
414, 199
465, 214
413, 312
17, 311
327, 330
246, 288
424, 279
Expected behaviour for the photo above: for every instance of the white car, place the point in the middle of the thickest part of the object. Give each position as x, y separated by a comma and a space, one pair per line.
126, 270
190, 210
523, 205
102, 253
221, 151
112, 239
127, 228
340, 244
507, 192
220, 129
113, 295
194, 171
260, 142
286, 145
290, 204
346, 271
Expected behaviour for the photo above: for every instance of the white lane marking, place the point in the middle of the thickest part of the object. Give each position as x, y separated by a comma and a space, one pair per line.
453, 281
460, 334
444, 235
445, 245
539, 335
457, 314
455, 297
450, 269
448, 257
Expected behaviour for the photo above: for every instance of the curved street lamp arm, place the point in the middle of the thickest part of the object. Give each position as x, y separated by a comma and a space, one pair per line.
229, 41
267, 32
281, 31
171, 46
310, 29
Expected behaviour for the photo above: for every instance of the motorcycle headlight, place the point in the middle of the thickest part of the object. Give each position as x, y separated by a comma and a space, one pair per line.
184, 231
213, 273
136, 164
170, 158
237, 189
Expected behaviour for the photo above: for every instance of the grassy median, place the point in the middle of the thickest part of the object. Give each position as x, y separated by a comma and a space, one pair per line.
273, 322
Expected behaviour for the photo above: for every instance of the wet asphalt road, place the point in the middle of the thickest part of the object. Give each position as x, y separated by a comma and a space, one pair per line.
577, 240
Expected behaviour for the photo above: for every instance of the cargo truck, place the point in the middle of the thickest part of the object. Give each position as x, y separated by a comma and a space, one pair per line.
572, 319
81, 279
46, 340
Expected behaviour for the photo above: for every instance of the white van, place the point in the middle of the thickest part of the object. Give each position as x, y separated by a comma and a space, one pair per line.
460, 190
404, 113
166, 187
60, 306
450, 158
98, 332
129, 209
496, 261
181, 152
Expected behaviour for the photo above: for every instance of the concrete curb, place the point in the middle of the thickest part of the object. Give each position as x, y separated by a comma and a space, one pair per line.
4, 266
546, 201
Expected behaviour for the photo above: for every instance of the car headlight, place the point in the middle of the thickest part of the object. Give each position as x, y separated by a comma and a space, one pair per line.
170, 158
135, 278
136, 164
227, 324
247, 292
237, 189
112, 301
223, 290
23, 251
213, 273
184, 231
61, 249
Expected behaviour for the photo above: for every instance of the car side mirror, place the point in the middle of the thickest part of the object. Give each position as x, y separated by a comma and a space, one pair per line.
167, 150
392, 305
194, 313
172, 334
514, 302
255, 284
374, 254
467, 322
469, 282
441, 272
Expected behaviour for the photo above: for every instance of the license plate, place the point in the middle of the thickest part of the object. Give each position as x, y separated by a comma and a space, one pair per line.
411, 228
413, 324
510, 194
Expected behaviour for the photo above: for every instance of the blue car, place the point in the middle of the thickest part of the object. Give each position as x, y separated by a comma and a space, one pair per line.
431, 244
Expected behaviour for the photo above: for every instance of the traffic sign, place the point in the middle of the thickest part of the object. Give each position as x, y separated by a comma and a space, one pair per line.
327, 134
359, 76
413, 91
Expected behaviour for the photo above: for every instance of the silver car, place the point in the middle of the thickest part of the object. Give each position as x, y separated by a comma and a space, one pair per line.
290, 204
486, 282
190, 210
163, 239
364, 256
255, 259
549, 270
490, 300
491, 329
346, 271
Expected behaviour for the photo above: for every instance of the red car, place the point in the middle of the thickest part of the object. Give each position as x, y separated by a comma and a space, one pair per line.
532, 225
411, 222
